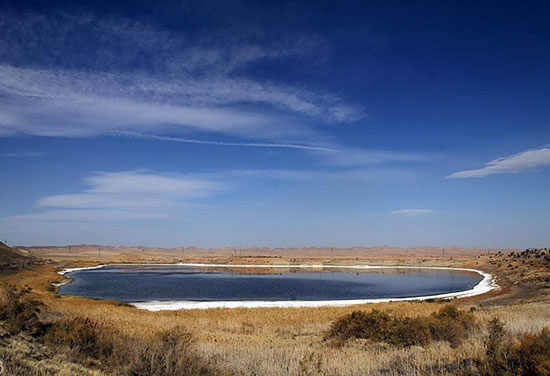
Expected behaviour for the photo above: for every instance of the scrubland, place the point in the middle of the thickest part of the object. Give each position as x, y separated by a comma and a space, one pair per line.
498, 333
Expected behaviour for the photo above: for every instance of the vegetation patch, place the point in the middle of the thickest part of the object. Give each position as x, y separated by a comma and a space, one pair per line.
19, 314
528, 355
92, 344
448, 324
82, 338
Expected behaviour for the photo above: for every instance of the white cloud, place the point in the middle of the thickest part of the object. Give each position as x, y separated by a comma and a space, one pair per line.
349, 156
133, 77
525, 160
48, 104
95, 200
143, 182
329, 153
22, 154
115, 196
109, 43
412, 212
89, 215
372, 174
220, 143
142, 194
68, 103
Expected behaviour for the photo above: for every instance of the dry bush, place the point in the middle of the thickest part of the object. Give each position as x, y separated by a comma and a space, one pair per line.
496, 351
451, 325
82, 339
532, 354
448, 324
360, 324
528, 355
169, 353
281, 341
18, 313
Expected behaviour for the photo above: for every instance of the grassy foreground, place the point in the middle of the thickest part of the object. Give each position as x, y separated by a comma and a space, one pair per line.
500, 332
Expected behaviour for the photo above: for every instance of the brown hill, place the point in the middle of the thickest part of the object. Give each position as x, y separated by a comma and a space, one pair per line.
11, 258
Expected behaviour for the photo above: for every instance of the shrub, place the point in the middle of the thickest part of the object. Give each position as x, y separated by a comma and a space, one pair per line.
528, 356
451, 325
532, 354
19, 314
88, 342
86, 339
167, 353
495, 352
360, 324
448, 324
408, 332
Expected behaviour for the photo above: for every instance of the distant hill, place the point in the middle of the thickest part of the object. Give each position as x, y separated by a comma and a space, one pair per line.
128, 253
11, 258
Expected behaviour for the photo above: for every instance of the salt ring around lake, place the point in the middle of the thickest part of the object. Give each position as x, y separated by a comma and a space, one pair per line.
486, 283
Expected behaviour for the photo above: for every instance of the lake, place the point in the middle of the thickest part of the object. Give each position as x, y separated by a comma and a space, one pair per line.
131, 283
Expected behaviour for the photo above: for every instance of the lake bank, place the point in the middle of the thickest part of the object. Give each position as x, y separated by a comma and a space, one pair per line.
484, 285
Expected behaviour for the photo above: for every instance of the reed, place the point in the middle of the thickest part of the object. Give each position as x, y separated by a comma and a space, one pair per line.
290, 341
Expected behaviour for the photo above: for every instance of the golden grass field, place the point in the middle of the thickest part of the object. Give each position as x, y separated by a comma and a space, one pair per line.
289, 341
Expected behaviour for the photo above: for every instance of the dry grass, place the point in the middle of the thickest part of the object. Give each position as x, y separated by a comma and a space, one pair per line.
520, 318
289, 341
25, 357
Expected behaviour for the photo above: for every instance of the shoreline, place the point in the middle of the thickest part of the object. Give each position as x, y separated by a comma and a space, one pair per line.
487, 284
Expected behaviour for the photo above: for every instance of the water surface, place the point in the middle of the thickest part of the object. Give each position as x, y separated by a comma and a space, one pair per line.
182, 283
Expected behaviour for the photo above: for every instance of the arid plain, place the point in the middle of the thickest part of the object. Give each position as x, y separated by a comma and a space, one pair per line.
272, 341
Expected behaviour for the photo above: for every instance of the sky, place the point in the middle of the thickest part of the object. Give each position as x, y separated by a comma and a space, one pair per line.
275, 123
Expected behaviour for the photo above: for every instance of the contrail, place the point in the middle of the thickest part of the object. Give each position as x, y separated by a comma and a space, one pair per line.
218, 143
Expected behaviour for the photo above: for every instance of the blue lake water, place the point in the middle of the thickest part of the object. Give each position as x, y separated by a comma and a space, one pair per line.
179, 283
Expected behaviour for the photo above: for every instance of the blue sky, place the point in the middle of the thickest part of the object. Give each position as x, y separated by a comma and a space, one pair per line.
235, 123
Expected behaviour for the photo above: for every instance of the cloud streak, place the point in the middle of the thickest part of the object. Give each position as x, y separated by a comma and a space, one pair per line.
515, 163
23, 154
43, 103
219, 143
143, 194
353, 157
127, 195
412, 212
132, 77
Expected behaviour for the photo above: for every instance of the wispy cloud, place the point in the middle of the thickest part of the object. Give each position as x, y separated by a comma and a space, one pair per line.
525, 160
329, 153
140, 182
23, 154
412, 212
89, 215
91, 43
349, 156
143, 194
219, 143
48, 104
126, 195
132, 77
370, 174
